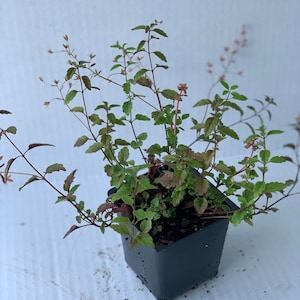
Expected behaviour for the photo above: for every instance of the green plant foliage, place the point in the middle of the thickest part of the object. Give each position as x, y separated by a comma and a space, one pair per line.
164, 177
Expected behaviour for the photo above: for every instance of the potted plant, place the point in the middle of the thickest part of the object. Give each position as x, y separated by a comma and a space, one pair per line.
172, 205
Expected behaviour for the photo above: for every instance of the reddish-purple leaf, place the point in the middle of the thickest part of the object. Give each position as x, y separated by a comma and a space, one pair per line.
34, 145
72, 228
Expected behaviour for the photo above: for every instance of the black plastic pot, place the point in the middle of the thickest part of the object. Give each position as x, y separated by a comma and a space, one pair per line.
169, 271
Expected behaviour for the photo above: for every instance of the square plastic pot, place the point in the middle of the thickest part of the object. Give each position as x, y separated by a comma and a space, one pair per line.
169, 271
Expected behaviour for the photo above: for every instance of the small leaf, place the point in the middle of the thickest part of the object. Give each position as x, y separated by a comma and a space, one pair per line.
7, 168
169, 94
126, 87
275, 187
290, 145
31, 179
139, 74
275, 132
123, 155
234, 106
144, 185
70, 72
4, 112
201, 186
140, 27
265, 155
68, 181
77, 109
73, 227
141, 117
94, 148
81, 141
230, 132
11, 129
238, 96
121, 142
140, 45
144, 81
121, 228
160, 32
278, 159
210, 125
127, 107
70, 96
225, 84
87, 82
55, 168
200, 205
34, 145
115, 67
202, 102
160, 55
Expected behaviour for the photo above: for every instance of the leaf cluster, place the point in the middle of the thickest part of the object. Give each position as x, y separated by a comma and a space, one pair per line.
156, 186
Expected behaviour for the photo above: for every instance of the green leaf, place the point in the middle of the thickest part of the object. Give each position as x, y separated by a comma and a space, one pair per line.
11, 129
55, 168
140, 45
278, 159
210, 125
126, 87
70, 72
127, 107
169, 94
139, 74
115, 67
202, 102
140, 27
160, 55
79, 109
121, 142
142, 238
229, 132
141, 117
95, 119
225, 84
142, 136
94, 148
234, 106
238, 96
31, 179
70, 96
201, 186
81, 141
140, 214
123, 155
160, 32
223, 168
264, 155
275, 187
87, 82
259, 188
124, 194
7, 168
121, 228
146, 225
275, 132
144, 185
200, 205
238, 216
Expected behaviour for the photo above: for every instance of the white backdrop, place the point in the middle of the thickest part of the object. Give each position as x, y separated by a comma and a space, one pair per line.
198, 30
